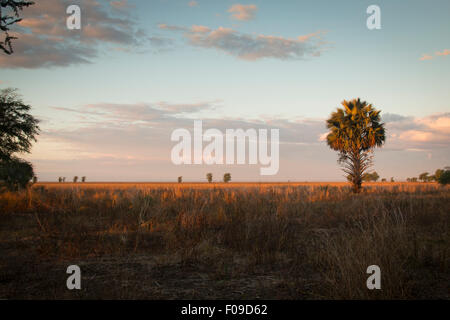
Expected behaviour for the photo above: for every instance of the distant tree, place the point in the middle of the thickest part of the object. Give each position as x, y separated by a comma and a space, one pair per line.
383, 180
180, 179
355, 130
371, 176
414, 179
423, 176
408, 179
438, 173
375, 176
227, 177
63, 179
35, 179
444, 177
15, 173
209, 177
75, 179
59, 179
83, 179
12, 8
392, 179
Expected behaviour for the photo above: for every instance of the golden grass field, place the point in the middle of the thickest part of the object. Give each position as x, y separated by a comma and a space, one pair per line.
225, 241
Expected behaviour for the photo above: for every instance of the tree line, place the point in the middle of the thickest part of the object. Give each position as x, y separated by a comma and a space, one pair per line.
209, 177
75, 179
440, 175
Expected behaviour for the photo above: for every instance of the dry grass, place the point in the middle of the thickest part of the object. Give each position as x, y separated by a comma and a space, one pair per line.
236, 240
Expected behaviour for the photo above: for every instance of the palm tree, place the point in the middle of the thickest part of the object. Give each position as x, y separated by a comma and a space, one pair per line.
355, 131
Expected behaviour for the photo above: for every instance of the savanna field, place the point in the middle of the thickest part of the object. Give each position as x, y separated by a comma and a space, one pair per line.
225, 241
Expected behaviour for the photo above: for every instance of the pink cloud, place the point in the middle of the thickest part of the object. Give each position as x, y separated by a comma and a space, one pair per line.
444, 52
416, 135
44, 41
438, 123
200, 29
309, 36
119, 4
252, 47
426, 57
243, 12
165, 26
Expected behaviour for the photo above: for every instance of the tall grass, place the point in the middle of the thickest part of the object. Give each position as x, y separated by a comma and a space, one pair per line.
289, 241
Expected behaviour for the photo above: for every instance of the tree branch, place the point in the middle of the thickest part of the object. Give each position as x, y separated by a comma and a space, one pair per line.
7, 20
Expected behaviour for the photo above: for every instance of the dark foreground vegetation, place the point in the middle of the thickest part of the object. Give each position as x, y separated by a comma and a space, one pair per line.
217, 241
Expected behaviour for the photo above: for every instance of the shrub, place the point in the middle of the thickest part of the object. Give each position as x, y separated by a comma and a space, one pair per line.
227, 177
370, 176
444, 178
16, 173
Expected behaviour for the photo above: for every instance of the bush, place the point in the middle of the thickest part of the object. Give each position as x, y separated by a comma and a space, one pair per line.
444, 178
370, 176
15, 173
227, 177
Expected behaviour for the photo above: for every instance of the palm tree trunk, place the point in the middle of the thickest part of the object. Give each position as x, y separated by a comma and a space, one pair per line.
357, 171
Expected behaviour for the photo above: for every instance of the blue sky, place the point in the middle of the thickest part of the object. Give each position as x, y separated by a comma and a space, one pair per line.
238, 69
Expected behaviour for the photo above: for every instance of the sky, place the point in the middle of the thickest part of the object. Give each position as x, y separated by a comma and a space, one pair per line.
110, 94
